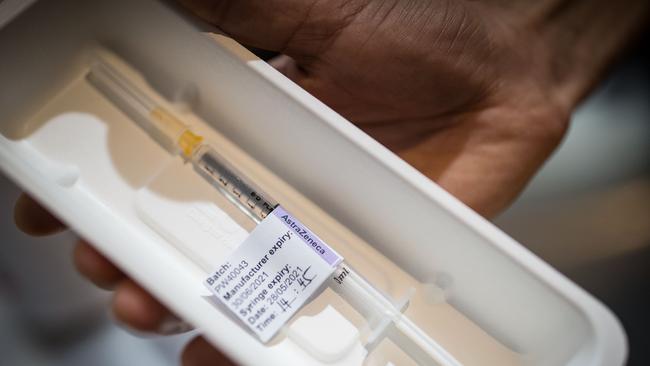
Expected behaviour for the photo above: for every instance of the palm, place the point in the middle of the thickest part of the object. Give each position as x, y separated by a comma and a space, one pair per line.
433, 81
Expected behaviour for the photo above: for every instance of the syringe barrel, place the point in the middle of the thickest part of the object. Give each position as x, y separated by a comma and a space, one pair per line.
244, 194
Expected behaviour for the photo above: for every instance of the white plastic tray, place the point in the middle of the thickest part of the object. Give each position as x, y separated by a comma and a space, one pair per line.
479, 293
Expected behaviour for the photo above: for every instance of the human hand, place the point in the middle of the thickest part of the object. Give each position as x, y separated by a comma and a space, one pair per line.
131, 304
475, 95
468, 100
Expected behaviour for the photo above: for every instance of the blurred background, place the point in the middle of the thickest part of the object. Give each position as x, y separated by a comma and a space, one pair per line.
587, 213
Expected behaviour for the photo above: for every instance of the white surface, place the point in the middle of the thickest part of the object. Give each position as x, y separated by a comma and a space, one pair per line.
189, 223
328, 335
426, 234
588, 211
50, 316
104, 345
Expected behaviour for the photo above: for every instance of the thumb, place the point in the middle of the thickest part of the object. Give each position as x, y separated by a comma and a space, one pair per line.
33, 219
298, 28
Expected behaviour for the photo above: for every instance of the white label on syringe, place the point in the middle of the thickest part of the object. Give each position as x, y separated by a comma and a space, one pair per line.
272, 273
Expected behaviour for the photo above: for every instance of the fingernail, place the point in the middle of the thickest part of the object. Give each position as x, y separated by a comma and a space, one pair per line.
173, 325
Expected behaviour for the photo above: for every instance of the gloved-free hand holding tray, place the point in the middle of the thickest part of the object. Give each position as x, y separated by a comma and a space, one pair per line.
474, 290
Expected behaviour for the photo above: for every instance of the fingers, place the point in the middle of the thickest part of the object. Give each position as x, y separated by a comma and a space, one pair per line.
289, 68
294, 27
135, 307
264, 24
200, 353
94, 266
132, 305
33, 219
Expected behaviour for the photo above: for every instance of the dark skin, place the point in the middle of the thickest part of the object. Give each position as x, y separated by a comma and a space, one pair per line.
474, 94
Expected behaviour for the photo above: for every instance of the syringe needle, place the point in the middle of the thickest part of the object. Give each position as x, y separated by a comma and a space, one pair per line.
163, 126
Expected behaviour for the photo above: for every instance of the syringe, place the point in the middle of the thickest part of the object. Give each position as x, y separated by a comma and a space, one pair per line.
384, 318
